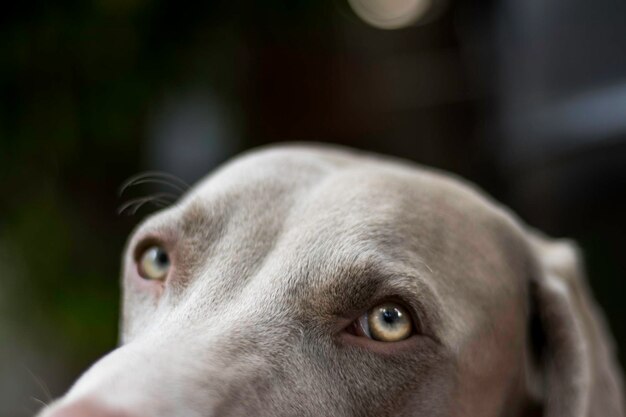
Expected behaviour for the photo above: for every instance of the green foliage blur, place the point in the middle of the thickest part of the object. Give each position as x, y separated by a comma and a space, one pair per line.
77, 80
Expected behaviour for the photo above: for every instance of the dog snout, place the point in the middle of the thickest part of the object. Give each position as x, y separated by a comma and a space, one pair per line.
87, 408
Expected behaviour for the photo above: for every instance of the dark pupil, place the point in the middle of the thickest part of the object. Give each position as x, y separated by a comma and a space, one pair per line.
162, 258
390, 316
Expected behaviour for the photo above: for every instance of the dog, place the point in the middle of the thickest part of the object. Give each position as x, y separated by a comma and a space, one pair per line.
320, 281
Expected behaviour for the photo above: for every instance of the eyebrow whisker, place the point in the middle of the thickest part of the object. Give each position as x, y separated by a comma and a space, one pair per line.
41, 384
39, 401
158, 199
155, 177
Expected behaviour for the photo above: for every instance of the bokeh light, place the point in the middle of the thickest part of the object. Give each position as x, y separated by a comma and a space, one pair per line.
394, 14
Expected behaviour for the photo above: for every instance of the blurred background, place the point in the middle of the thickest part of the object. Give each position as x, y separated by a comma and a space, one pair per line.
525, 98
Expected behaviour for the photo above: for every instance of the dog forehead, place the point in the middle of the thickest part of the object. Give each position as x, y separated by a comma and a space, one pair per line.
331, 193
312, 194
293, 167
331, 172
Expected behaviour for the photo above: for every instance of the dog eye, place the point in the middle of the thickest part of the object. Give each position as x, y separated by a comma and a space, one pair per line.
387, 322
154, 263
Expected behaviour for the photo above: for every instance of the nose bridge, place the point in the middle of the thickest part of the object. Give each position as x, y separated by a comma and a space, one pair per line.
124, 371
188, 366
194, 357
142, 375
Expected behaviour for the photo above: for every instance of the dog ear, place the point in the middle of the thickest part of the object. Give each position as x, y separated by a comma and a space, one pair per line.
574, 371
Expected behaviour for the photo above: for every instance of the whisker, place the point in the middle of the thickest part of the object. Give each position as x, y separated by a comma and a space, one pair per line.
41, 384
158, 202
155, 177
37, 400
133, 206
163, 199
152, 181
161, 174
154, 201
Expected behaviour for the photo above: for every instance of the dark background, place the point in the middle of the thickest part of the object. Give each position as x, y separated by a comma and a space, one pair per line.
525, 98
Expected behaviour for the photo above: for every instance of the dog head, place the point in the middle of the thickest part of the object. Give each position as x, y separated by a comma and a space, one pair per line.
302, 281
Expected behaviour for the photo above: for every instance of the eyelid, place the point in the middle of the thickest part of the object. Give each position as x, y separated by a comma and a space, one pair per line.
148, 240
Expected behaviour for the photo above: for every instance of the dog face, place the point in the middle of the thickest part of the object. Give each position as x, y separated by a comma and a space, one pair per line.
320, 282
